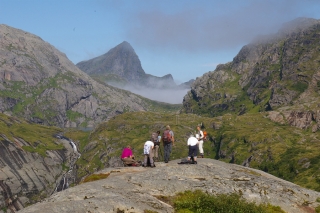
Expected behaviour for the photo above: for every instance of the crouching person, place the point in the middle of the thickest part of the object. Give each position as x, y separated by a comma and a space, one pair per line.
128, 158
148, 153
193, 149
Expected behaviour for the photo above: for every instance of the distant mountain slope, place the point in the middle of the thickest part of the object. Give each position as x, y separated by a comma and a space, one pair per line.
120, 60
279, 72
121, 67
39, 83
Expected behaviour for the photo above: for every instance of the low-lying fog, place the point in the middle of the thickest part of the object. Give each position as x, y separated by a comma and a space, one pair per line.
172, 96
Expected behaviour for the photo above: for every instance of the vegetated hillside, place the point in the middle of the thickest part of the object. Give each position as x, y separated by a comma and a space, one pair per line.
40, 84
103, 147
122, 68
31, 161
254, 140
251, 140
279, 72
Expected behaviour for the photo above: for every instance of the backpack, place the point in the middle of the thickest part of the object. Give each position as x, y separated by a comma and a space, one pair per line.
154, 138
166, 136
205, 135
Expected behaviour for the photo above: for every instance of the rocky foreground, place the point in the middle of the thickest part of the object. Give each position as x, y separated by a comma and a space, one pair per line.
135, 189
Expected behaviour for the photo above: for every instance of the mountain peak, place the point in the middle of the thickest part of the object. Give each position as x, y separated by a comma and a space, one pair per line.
300, 23
120, 60
124, 46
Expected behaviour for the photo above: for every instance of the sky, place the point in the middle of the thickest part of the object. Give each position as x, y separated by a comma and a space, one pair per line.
185, 38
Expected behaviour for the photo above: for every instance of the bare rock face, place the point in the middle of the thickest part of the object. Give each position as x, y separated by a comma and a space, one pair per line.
27, 177
276, 117
129, 189
41, 84
120, 60
300, 119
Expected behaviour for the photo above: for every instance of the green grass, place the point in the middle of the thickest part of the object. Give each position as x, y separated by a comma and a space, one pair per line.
95, 177
277, 149
198, 201
72, 115
133, 128
284, 151
40, 138
299, 86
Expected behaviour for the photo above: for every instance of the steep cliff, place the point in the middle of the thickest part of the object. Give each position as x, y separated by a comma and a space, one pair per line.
31, 161
278, 72
39, 83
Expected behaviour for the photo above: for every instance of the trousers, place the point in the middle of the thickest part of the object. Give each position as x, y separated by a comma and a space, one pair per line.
167, 151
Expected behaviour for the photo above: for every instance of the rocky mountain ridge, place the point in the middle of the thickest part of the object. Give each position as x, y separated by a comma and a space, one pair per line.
121, 67
41, 84
275, 73
137, 189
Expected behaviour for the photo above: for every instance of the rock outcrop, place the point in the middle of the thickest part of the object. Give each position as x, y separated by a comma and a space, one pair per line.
27, 177
301, 119
137, 189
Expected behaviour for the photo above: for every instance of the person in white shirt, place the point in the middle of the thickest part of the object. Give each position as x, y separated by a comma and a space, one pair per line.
200, 139
148, 153
193, 148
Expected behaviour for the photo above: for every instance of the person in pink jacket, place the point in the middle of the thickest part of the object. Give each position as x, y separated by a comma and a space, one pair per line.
128, 158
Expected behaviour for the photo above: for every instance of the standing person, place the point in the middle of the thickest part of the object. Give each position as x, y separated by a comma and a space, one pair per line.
168, 142
200, 139
128, 158
156, 147
193, 149
148, 153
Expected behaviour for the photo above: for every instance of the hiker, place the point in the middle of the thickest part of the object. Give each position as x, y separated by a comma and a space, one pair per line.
128, 158
148, 153
193, 149
200, 139
156, 147
168, 142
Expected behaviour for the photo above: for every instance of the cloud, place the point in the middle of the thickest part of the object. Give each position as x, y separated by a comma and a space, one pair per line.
167, 96
212, 65
172, 96
212, 25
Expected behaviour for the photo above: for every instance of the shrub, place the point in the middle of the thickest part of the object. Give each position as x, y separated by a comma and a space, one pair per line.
95, 177
198, 201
